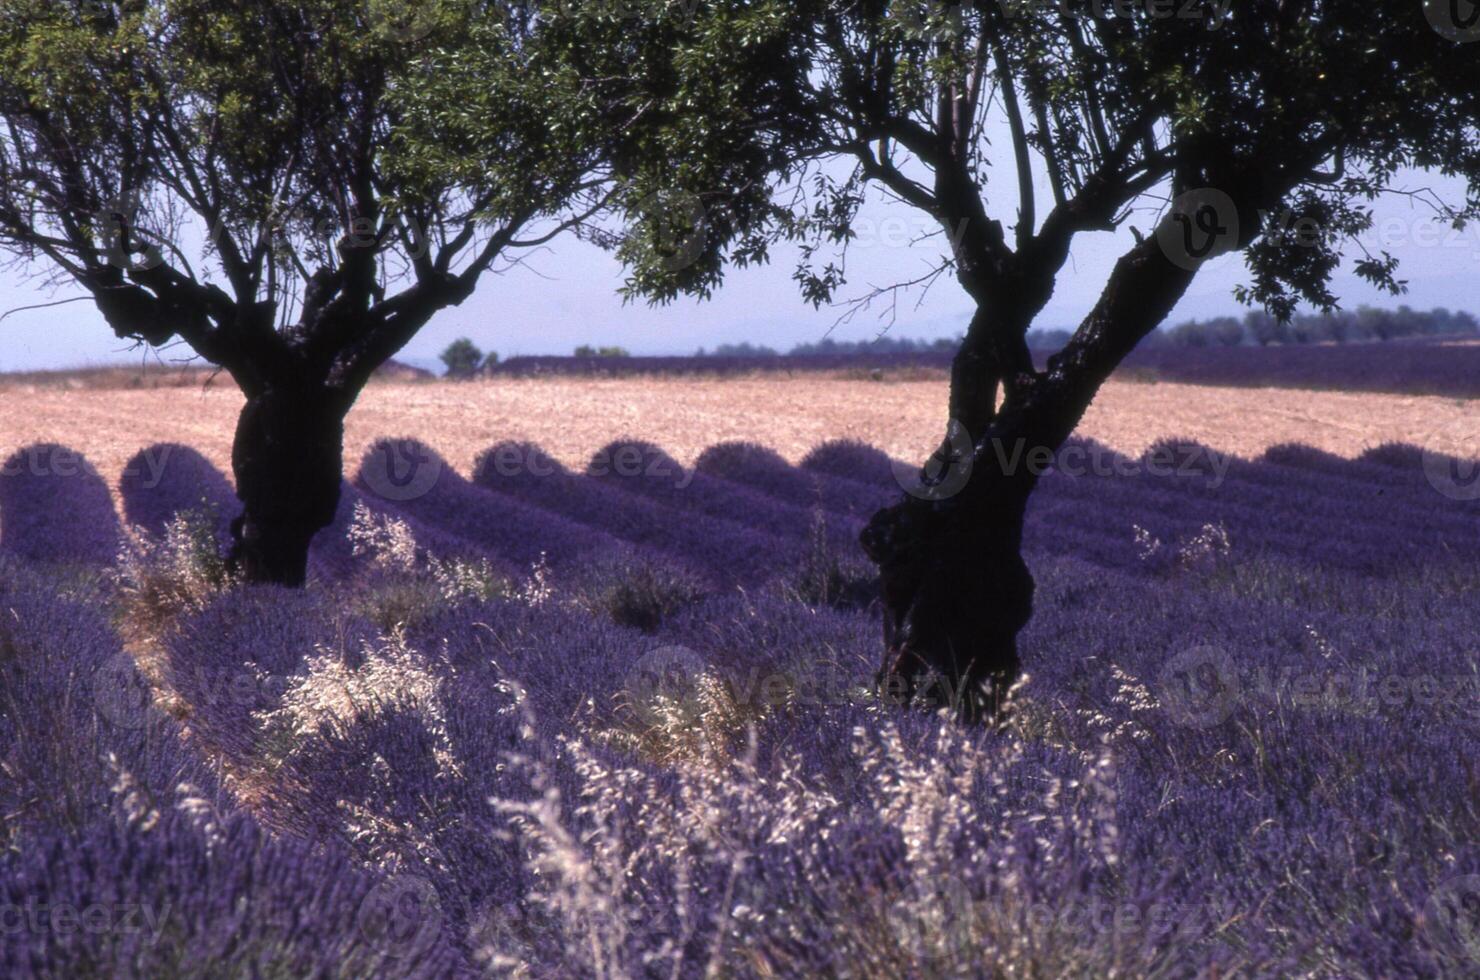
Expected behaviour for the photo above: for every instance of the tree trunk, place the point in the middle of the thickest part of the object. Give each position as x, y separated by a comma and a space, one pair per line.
288, 463
956, 590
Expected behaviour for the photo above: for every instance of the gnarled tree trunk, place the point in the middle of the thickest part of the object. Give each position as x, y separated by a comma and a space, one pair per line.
956, 591
288, 462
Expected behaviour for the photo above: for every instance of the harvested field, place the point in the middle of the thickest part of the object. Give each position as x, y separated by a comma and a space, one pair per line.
571, 418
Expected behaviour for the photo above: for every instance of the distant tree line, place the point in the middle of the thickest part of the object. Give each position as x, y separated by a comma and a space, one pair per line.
831, 348
463, 359
1254, 329
1365, 323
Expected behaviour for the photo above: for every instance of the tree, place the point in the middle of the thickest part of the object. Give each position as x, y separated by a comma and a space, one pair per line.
1265, 329
245, 178
462, 358
1267, 126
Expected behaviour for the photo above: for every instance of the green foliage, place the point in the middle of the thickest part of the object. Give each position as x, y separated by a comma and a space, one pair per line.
1301, 116
462, 358
283, 186
586, 350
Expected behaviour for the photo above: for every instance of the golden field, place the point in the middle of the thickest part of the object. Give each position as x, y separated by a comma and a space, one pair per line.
571, 418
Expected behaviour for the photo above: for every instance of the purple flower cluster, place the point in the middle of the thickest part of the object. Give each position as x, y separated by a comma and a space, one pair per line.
78, 730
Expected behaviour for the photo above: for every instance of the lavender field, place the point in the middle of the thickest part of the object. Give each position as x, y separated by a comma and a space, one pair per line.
1414, 366
528, 721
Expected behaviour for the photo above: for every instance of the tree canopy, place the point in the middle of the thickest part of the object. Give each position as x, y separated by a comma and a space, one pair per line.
1301, 113
243, 176
275, 185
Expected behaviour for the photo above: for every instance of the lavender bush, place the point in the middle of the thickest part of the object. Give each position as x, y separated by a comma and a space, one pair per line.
168, 479
706, 546
764, 470
54, 507
442, 500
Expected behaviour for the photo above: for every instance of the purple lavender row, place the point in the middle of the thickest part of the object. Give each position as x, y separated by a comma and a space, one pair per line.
1391, 468
722, 552
754, 537
765, 470
167, 480
661, 478
735, 635
417, 482
852, 460
332, 553
210, 894
75, 712
237, 657
54, 507
1272, 506
1267, 508
1197, 852
553, 365
1416, 367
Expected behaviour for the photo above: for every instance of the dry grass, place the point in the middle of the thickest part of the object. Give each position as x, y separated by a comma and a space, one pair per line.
572, 418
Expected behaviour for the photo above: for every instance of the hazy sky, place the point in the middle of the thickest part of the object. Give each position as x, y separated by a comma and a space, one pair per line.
567, 295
